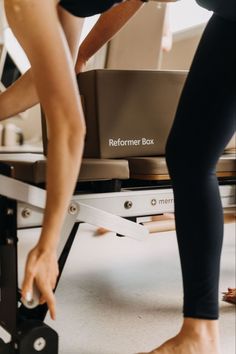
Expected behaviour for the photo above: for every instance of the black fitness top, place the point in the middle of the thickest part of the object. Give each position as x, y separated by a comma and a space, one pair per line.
224, 8
85, 8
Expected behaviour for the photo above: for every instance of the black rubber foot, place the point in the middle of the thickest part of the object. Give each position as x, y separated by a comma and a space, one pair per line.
5, 348
35, 337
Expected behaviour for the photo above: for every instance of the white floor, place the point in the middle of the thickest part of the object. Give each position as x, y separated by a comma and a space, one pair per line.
120, 296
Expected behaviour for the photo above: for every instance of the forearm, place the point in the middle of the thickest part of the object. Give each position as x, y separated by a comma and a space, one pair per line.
18, 97
107, 26
64, 159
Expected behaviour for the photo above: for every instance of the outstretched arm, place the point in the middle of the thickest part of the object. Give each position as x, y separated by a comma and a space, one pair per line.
106, 27
36, 26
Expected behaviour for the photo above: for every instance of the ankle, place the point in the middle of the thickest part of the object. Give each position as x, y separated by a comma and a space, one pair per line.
205, 329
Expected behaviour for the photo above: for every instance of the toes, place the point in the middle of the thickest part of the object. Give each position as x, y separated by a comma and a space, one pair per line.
153, 352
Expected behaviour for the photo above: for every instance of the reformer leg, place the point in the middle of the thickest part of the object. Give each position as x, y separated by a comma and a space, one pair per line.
28, 336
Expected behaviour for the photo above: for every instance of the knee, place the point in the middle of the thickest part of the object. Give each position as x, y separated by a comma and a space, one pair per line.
17, 7
13, 9
174, 156
184, 158
14, 5
181, 157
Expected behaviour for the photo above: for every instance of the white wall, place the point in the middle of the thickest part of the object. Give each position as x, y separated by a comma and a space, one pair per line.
184, 46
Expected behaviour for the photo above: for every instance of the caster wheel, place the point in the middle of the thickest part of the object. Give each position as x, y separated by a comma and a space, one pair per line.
37, 338
4, 348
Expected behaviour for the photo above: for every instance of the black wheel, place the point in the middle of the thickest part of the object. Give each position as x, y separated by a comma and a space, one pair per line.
3, 347
37, 338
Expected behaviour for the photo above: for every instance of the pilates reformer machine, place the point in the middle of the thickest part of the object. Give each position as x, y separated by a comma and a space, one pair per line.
123, 183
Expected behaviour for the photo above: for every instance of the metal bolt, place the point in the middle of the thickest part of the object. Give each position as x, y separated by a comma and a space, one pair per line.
128, 204
26, 213
73, 209
16, 346
10, 211
9, 241
154, 202
40, 344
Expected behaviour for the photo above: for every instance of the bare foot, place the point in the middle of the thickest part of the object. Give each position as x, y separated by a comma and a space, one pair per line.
230, 296
192, 339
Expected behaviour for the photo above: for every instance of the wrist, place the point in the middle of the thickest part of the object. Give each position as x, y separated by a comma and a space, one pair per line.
45, 249
46, 245
82, 57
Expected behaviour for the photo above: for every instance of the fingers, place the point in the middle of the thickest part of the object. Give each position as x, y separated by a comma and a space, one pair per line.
27, 287
41, 274
48, 297
46, 290
51, 302
42, 300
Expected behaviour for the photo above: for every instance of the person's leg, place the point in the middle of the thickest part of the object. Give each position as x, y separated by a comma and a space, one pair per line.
204, 123
72, 27
38, 30
22, 94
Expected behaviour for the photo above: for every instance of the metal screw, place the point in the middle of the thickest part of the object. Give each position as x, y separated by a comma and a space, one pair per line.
9, 241
10, 211
40, 344
128, 204
26, 213
73, 209
154, 202
16, 346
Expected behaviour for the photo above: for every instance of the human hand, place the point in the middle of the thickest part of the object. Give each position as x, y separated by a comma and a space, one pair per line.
42, 271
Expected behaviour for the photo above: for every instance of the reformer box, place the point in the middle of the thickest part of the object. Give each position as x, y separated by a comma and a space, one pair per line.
129, 112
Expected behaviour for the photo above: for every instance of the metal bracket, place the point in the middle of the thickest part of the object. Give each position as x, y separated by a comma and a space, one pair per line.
36, 197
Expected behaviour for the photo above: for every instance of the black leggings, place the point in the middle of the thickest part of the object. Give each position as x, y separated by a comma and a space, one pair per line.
205, 122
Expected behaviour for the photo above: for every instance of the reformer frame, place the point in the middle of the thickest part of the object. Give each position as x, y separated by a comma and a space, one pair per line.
22, 206
18, 202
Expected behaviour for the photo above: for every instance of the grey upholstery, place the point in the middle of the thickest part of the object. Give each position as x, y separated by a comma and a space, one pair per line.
31, 168
227, 163
148, 166
141, 166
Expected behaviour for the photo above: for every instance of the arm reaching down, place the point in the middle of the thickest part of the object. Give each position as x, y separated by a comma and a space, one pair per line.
109, 24
53, 75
